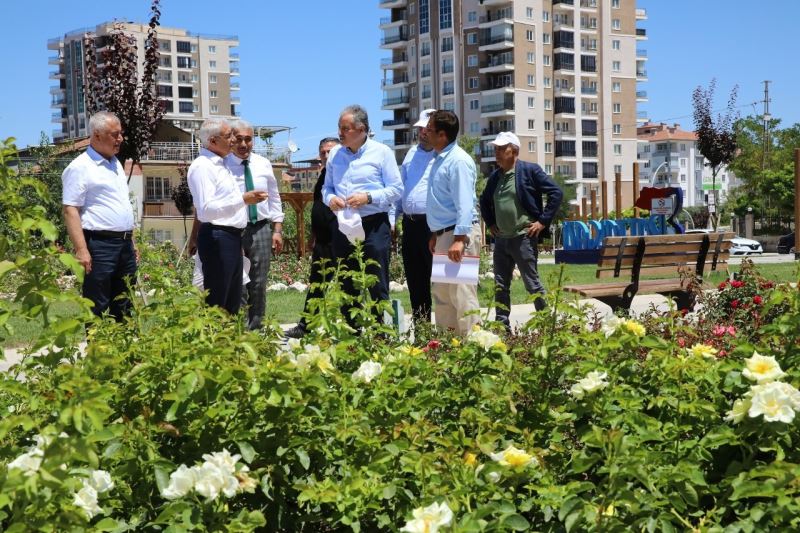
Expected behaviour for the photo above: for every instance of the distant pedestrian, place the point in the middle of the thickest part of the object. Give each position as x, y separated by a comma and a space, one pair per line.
99, 218
453, 220
513, 209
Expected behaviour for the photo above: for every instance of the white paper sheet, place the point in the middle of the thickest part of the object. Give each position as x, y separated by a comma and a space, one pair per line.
446, 271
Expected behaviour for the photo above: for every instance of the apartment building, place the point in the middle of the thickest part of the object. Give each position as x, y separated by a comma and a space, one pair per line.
197, 76
670, 158
564, 75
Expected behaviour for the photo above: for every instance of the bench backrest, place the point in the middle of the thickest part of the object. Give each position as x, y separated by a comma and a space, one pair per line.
649, 255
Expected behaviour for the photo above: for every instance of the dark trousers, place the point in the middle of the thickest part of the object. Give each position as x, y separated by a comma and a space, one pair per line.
417, 262
377, 245
322, 253
220, 250
113, 267
257, 245
522, 251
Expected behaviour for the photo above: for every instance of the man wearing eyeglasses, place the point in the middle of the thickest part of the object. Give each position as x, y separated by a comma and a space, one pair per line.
254, 172
99, 218
220, 210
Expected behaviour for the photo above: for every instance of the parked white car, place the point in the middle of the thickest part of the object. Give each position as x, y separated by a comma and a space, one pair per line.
739, 245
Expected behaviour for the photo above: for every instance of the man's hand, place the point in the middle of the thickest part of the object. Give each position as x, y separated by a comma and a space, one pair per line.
254, 197
456, 251
535, 228
277, 242
357, 200
337, 204
192, 246
494, 230
432, 243
85, 259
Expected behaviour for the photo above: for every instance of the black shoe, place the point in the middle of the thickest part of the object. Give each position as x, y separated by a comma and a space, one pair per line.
297, 332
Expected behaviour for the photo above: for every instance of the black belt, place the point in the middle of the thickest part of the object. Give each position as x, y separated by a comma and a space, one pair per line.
416, 217
228, 229
259, 223
103, 234
440, 232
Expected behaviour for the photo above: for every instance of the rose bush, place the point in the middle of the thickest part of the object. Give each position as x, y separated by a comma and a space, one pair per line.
181, 420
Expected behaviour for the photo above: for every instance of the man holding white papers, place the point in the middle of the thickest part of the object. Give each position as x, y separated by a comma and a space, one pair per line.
453, 220
511, 205
362, 181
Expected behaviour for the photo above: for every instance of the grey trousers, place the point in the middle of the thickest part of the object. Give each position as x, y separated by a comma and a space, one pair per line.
522, 251
257, 245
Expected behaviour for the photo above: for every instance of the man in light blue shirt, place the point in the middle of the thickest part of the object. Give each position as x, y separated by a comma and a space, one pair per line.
453, 220
417, 257
362, 176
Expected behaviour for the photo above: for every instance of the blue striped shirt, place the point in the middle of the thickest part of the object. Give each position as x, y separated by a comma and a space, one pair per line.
451, 191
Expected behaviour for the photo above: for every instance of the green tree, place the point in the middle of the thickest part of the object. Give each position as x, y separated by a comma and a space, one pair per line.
570, 194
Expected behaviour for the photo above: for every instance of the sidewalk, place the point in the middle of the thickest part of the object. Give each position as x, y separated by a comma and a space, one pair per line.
520, 314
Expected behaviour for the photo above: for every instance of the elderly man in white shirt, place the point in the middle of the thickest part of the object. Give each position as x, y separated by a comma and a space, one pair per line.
220, 209
254, 172
99, 217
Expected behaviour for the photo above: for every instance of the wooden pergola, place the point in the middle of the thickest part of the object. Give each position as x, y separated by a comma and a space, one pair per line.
298, 202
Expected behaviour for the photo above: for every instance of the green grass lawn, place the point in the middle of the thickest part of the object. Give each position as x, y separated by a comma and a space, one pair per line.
286, 306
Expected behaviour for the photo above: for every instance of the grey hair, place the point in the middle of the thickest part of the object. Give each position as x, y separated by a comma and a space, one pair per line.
327, 140
359, 115
240, 125
212, 127
99, 121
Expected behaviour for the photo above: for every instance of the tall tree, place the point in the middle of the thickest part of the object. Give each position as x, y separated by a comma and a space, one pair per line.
182, 196
716, 138
116, 87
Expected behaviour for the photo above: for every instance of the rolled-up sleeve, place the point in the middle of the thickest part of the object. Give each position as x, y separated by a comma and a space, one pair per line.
208, 201
462, 174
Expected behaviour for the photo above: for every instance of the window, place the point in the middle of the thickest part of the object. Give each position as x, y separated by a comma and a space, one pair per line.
616, 87
195, 78
529, 35
159, 235
213, 93
615, 44
445, 14
548, 104
184, 92
424, 16
531, 80
412, 10
617, 169
472, 16
531, 124
165, 61
474, 83
547, 125
615, 25
683, 162
164, 90
617, 149
617, 128
531, 57
472, 38
548, 148
215, 108
157, 189
448, 87
447, 44
472, 60
212, 64
474, 127
545, 38
426, 70
212, 49
531, 102
545, 16
193, 48
167, 105
426, 90
546, 60
529, 12
531, 146
474, 104
616, 108
212, 78
683, 147
449, 106
164, 76
546, 82
183, 47
447, 65
616, 66
164, 46
185, 107
184, 62
615, 4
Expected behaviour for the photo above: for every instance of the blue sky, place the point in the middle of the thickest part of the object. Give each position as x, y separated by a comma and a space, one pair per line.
302, 61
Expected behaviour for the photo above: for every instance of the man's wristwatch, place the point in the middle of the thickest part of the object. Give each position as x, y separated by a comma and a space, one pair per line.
369, 198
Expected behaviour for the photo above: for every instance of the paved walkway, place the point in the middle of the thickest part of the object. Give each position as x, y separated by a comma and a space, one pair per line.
520, 314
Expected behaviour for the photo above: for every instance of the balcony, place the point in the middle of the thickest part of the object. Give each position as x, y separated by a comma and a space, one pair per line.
54, 60
497, 63
57, 91
56, 76
391, 4
641, 33
166, 151
234, 71
493, 17
641, 14
641, 117
58, 101
588, 4
57, 134
641, 75
396, 123
397, 18
487, 153
397, 80
161, 207
57, 117
396, 102
55, 43
490, 3
563, 4
497, 40
589, 90
233, 57
641, 96
498, 109
394, 62
641, 53
562, 21
502, 82
235, 86
395, 40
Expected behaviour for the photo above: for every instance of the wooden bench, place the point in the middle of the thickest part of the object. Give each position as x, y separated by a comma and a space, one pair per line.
678, 261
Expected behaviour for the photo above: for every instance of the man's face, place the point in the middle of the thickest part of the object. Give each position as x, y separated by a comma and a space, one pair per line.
242, 143
437, 139
324, 151
108, 140
504, 156
424, 141
221, 144
351, 135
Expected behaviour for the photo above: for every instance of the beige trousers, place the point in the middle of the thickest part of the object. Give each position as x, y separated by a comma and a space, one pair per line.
451, 302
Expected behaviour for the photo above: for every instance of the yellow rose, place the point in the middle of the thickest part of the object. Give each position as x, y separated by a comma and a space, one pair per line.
634, 328
470, 458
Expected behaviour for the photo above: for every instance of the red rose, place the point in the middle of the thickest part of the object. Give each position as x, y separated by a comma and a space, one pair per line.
681, 342
434, 344
735, 304
718, 331
737, 284
723, 285
757, 299
722, 353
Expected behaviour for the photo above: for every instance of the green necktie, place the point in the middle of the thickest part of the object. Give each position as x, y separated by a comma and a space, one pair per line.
252, 210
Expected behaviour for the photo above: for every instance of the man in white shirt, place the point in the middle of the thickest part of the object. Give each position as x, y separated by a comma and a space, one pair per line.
362, 181
99, 217
220, 209
258, 238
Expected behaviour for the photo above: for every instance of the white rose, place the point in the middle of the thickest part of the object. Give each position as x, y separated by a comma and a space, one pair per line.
738, 411
210, 481
593, 382
223, 460
101, 481
368, 371
29, 462
484, 339
181, 482
773, 403
86, 499
762, 369
429, 519
513, 457
610, 325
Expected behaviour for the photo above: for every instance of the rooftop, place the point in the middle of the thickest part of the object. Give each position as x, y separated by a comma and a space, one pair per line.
655, 132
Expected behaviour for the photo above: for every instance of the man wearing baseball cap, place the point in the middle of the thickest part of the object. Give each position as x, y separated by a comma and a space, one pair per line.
511, 205
417, 257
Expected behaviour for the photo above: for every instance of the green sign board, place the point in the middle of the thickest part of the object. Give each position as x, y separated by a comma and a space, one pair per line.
711, 187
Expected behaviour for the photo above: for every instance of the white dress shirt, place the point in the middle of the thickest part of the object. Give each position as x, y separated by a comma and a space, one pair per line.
263, 180
217, 198
98, 187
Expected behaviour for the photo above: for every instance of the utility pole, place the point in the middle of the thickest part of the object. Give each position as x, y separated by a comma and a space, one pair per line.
766, 117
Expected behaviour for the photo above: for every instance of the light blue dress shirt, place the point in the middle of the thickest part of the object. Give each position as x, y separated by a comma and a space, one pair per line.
371, 169
451, 191
414, 171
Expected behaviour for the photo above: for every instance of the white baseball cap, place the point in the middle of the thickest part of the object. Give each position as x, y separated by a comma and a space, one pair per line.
423, 118
504, 138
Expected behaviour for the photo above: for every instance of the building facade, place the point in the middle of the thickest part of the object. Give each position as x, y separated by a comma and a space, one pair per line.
670, 158
563, 75
197, 76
